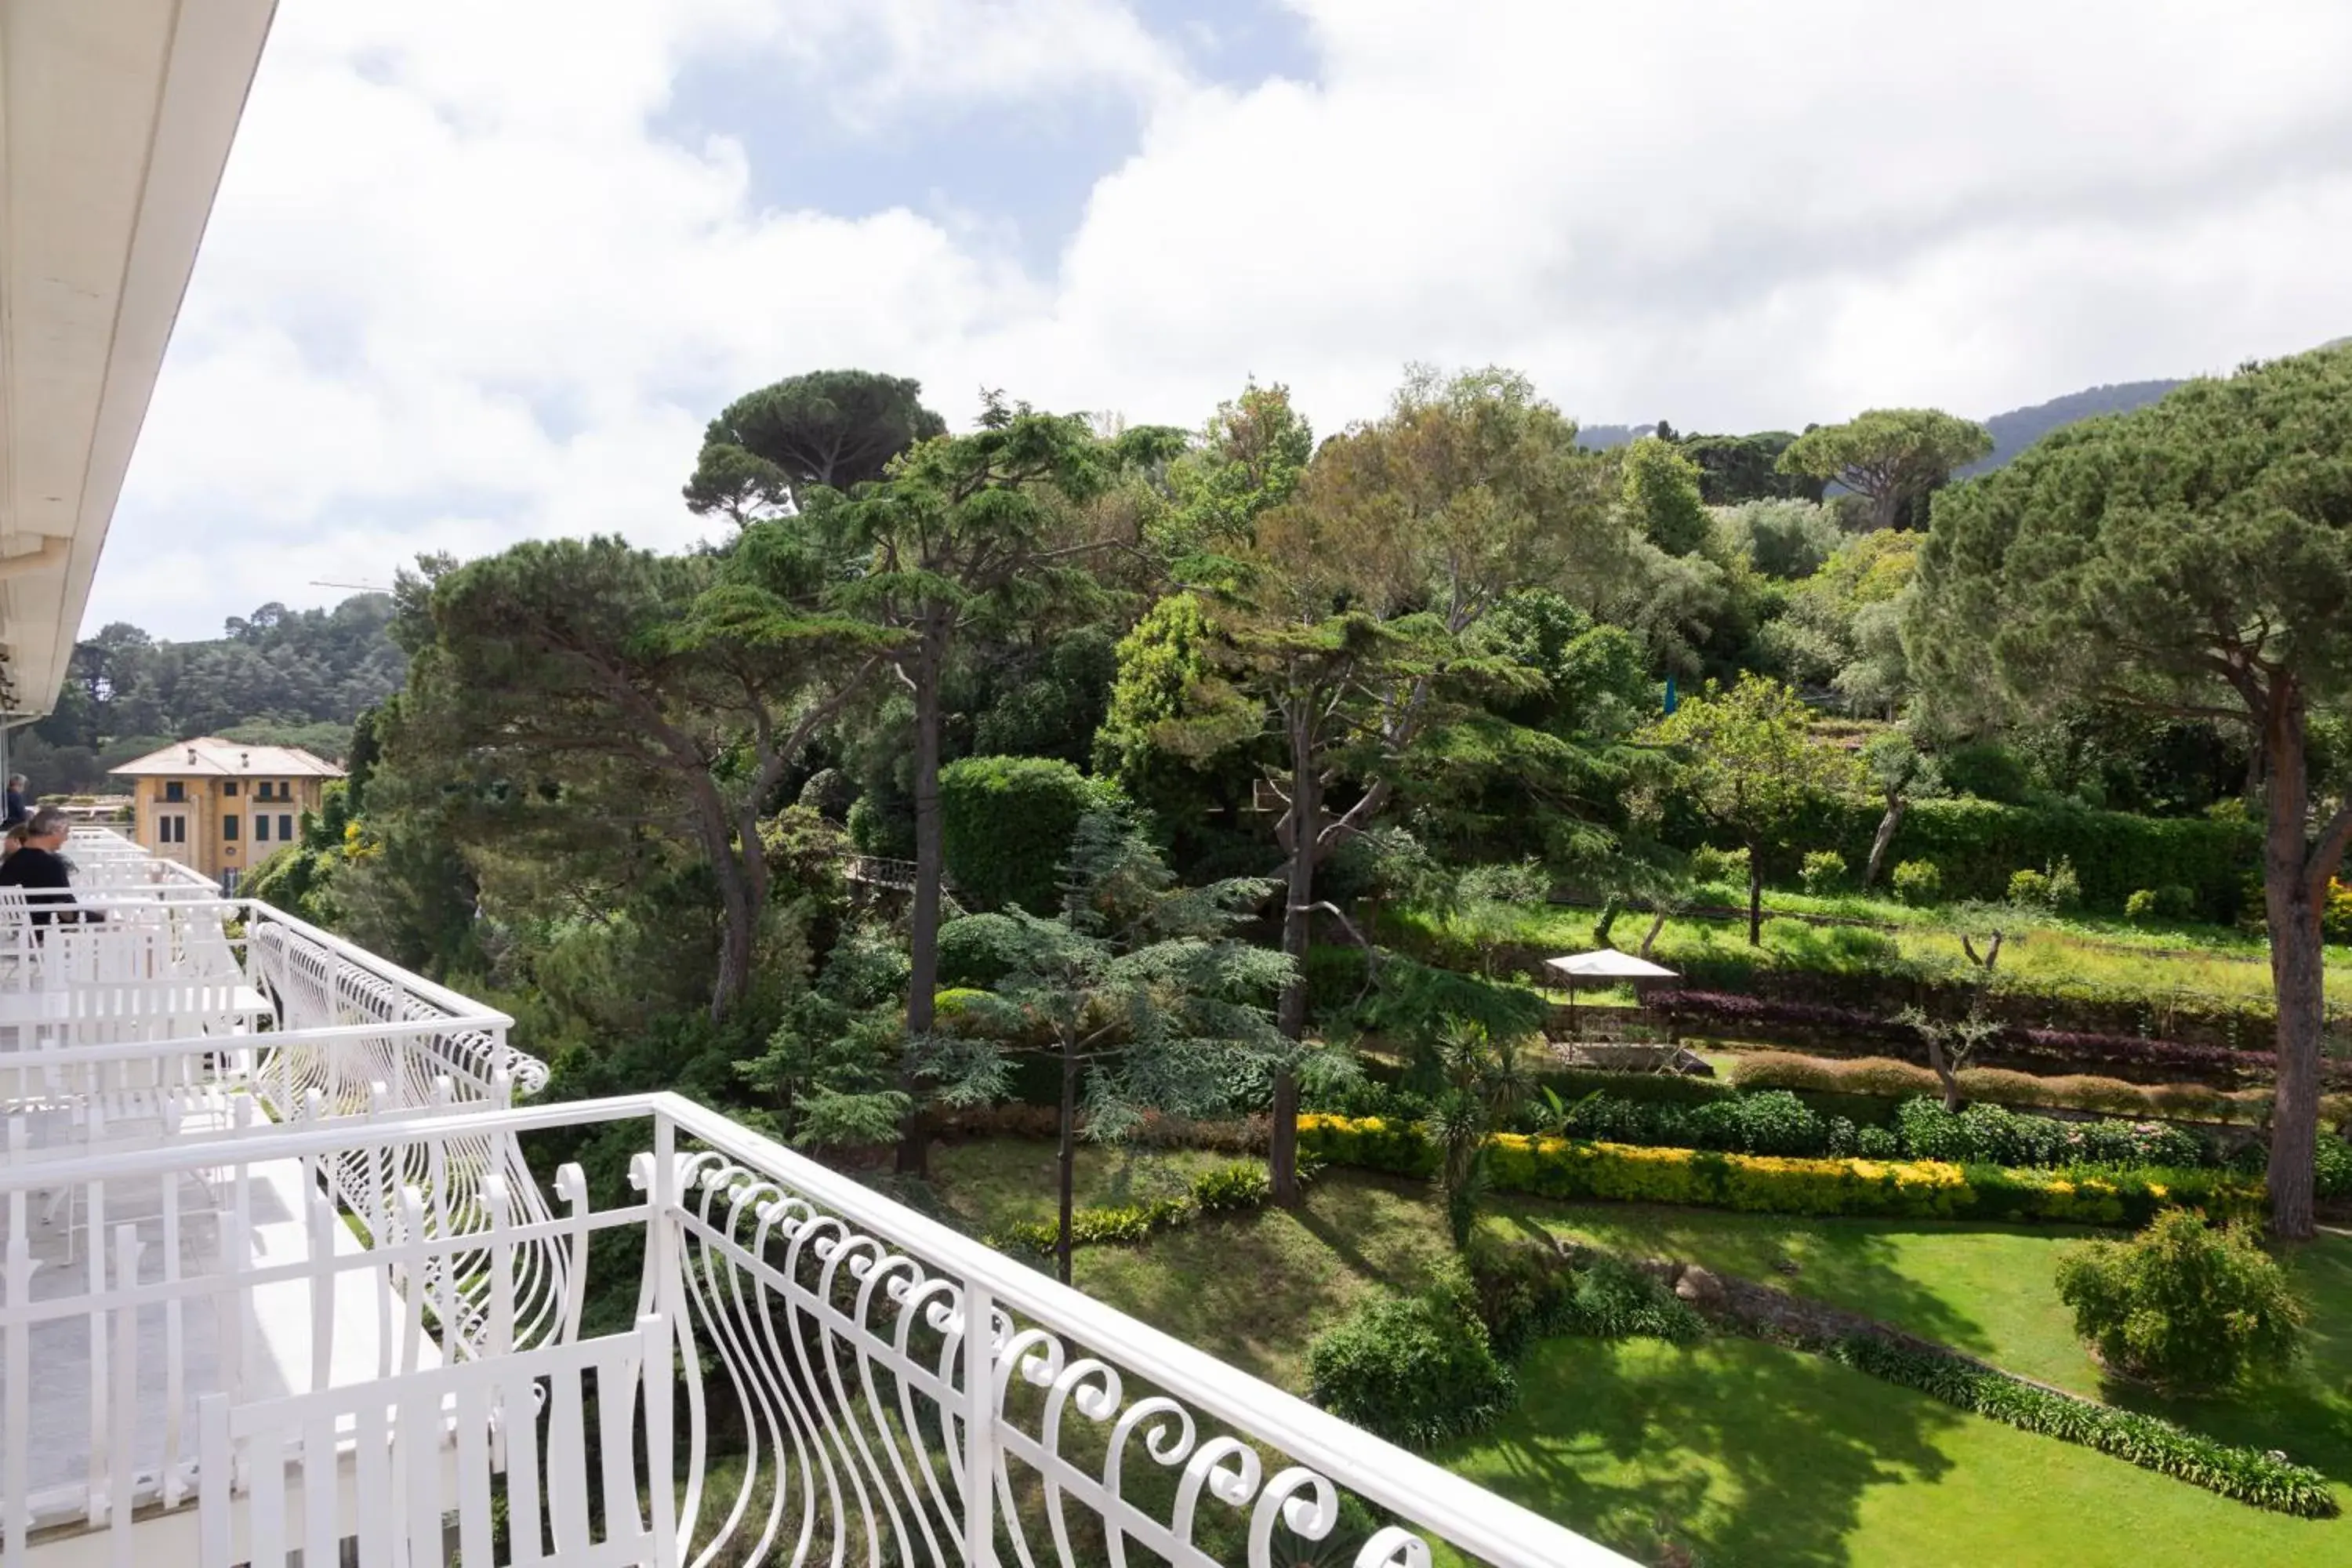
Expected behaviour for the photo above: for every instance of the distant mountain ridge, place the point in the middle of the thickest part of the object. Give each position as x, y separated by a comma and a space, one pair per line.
2019, 428
2012, 432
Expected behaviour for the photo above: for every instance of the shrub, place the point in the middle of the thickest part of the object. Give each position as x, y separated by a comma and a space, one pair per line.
1612, 1300
1006, 821
2332, 1178
1918, 881
977, 950
2029, 887
2065, 889
1525, 1290
957, 1010
2336, 912
2183, 1304
1991, 1135
1823, 870
1772, 1121
2141, 906
1231, 1189
875, 829
2265, 1481
1416, 1369
2175, 902
1729, 867
1228, 1189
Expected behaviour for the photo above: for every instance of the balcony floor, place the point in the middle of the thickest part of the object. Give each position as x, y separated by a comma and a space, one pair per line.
278, 1327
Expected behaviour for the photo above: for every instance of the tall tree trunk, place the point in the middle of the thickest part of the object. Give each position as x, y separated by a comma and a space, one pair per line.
738, 930
1297, 916
1069, 1163
1895, 806
923, 920
1755, 895
1649, 937
2295, 964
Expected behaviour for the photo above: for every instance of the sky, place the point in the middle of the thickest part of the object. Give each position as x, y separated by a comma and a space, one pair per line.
482, 272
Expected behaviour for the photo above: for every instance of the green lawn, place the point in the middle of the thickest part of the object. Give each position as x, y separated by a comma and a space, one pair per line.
1741, 1453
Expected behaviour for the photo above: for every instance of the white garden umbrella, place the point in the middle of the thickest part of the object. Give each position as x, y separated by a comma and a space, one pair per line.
1605, 964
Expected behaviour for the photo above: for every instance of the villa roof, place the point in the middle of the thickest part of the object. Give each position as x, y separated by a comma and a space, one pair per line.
210, 757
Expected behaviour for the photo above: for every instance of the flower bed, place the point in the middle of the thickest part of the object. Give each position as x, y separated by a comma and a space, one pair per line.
1889, 1189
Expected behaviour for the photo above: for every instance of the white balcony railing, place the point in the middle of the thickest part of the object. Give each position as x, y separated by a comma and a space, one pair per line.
274, 1276
852, 1381
166, 1013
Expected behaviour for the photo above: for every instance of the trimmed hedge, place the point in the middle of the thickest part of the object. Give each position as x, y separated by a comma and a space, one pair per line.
1006, 823
1823, 1024
1976, 845
1888, 1076
2246, 1475
1887, 1189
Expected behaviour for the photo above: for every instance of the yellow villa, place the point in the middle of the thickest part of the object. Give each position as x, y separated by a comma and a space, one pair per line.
222, 807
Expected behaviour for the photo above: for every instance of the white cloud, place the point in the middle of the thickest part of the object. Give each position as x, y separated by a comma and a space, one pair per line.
458, 290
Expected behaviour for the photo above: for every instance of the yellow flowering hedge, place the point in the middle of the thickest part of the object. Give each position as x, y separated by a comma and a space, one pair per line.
1889, 1189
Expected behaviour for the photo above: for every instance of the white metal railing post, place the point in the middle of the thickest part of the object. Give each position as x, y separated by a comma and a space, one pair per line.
979, 1426
661, 1222
16, 1423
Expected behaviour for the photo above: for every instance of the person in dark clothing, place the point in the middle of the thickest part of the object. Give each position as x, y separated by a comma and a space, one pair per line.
42, 872
18, 808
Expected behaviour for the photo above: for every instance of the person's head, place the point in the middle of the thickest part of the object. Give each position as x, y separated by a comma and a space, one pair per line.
47, 828
17, 782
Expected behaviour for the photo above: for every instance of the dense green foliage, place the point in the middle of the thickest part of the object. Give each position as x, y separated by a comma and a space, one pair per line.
2183, 1304
833, 428
1889, 457
1416, 1369
2193, 558
1007, 825
277, 677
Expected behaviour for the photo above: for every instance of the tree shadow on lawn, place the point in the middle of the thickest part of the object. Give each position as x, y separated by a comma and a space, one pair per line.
1854, 1264
2307, 1411
1255, 1289
1754, 1454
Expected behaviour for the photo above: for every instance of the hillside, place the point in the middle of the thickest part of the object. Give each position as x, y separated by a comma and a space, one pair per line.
2019, 428
277, 677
